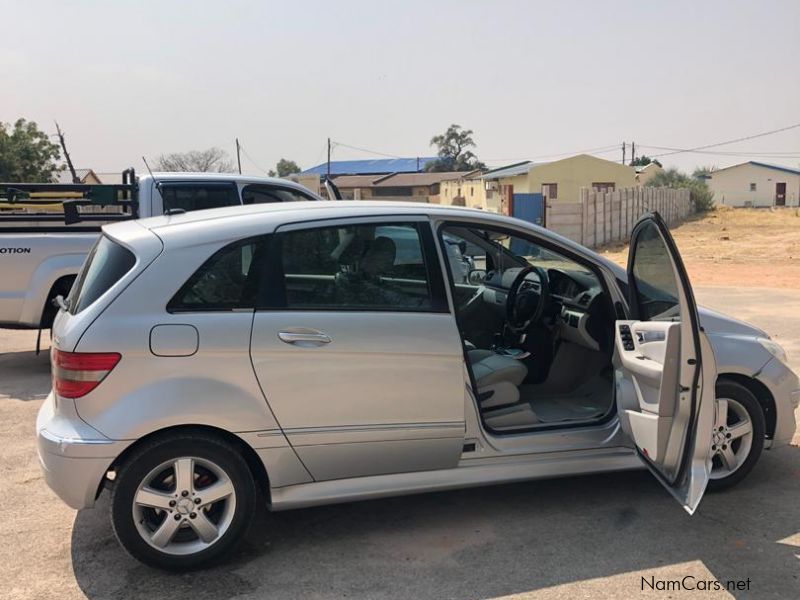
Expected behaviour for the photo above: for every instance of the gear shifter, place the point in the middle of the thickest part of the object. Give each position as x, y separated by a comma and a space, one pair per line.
499, 347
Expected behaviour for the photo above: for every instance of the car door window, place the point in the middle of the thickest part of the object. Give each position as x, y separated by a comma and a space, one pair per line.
267, 194
228, 280
654, 278
357, 267
198, 196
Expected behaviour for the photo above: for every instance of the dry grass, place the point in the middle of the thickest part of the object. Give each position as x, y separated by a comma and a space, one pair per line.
737, 247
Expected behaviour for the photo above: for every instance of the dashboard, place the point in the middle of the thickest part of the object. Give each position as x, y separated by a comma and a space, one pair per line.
578, 309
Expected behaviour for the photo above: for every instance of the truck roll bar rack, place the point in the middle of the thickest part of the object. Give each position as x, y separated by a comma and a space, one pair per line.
124, 195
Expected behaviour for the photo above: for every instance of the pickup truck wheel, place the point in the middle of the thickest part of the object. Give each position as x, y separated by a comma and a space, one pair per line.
739, 433
183, 502
61, 287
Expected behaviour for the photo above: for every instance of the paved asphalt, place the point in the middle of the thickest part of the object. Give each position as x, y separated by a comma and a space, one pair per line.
592, 536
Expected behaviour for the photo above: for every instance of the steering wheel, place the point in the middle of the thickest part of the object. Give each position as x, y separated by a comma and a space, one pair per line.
528, 307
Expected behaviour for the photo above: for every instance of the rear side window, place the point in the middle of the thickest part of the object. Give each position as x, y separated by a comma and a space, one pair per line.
106, 264
197, 196
265, 194
356, 267
226, 281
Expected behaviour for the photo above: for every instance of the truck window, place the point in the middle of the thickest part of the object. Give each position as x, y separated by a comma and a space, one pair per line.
106, 264
266, 194
198, 196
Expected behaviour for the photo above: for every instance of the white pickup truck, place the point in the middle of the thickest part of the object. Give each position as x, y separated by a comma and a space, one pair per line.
41, 252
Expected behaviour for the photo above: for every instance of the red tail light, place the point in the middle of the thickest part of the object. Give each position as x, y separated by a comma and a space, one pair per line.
75, 374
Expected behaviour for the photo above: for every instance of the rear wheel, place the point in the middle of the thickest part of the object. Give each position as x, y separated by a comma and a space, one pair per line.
183, 502
738, 438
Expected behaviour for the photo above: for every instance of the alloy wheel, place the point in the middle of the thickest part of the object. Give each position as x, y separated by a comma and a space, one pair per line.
732, 438
184, 506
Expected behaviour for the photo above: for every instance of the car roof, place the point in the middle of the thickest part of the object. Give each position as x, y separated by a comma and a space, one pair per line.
222, 225
280, 213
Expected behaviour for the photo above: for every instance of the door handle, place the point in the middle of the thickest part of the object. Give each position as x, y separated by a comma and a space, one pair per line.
304, 338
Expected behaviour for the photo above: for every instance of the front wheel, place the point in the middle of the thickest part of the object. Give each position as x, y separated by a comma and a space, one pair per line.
182, 502
738, 438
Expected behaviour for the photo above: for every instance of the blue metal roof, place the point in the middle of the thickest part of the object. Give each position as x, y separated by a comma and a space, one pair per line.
776, 167
760, 164
372, 167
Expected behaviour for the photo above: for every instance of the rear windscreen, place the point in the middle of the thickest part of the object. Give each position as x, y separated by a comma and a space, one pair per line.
105, 265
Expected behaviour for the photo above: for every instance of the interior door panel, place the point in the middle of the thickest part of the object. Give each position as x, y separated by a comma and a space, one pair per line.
652, 369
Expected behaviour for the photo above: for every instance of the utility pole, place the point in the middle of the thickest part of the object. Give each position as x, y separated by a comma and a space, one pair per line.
329, 158
66, 155
238, 156
633, 152
623, 153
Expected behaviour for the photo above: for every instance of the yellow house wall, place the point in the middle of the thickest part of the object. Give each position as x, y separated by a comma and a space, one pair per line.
309, 181
572, 174
648, 173
520, 182
472, 190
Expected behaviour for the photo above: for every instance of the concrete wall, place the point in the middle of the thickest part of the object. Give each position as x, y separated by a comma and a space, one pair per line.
731, 186
368, 193
600, 218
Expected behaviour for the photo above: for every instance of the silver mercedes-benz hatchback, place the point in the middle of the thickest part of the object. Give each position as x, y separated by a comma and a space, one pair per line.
311, 353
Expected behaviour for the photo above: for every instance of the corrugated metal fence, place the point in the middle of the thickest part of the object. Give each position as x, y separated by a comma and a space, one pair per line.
603, 217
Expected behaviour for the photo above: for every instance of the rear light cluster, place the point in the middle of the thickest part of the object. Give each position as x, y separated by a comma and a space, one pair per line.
75, 374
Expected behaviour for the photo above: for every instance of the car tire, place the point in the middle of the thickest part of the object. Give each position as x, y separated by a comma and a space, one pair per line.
142, 520
742, 406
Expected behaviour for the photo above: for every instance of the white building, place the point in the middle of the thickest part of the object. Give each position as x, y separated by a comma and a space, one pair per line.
756, 184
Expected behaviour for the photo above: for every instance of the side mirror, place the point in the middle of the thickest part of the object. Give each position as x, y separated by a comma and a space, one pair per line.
476, 276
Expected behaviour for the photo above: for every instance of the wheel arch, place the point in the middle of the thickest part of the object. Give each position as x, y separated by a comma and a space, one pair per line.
62, 283
762, 394
254, 463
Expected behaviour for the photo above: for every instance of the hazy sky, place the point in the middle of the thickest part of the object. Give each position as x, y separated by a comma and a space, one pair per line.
532, 79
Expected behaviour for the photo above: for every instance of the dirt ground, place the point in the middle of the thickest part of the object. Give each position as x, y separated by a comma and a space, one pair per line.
577, 537
737, 247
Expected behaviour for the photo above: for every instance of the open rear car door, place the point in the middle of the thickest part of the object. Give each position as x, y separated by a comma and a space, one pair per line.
665, 368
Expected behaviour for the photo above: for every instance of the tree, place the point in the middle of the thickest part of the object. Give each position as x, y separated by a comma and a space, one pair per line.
700, 194
213, 160
284, 168
27, 154
704, 172
454, 153
643, 161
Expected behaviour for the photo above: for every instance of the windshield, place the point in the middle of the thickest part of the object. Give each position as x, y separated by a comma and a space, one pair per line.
496, 251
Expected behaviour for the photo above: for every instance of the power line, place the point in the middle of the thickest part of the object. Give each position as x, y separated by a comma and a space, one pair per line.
598, 150
777, 154
375, 152
250, 158
715, 145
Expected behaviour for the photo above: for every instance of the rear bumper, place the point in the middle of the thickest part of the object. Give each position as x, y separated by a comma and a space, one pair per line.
785, 388
73, 456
